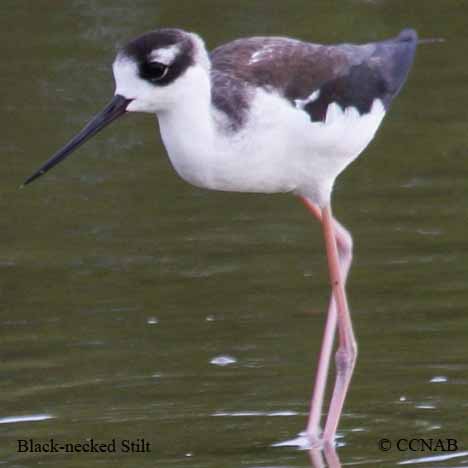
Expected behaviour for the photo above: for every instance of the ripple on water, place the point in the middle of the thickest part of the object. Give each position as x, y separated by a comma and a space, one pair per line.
256, 413
223, 360
26, 418
439, 379
434, 458
302, 442
425, 406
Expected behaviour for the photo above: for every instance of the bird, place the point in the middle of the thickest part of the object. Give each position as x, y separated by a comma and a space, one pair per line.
267, 115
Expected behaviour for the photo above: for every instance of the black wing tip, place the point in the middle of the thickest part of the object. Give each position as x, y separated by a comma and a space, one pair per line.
397, 55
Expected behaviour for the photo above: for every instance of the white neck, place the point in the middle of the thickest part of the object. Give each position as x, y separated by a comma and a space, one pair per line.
188, 128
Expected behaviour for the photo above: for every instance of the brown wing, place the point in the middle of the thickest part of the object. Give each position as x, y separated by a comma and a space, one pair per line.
349, 75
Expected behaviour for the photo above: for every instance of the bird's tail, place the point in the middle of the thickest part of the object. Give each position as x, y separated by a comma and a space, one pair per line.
431, 40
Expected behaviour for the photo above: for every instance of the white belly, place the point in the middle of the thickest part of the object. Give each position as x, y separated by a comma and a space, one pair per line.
278, 150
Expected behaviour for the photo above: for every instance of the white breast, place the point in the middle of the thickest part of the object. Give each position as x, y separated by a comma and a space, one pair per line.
278, 150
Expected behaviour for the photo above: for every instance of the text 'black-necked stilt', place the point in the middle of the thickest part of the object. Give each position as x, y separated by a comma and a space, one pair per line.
266, 114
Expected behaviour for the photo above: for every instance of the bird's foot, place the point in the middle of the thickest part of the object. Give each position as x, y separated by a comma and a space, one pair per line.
317, 440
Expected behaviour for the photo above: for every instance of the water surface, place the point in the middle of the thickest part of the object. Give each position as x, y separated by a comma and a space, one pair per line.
133, 306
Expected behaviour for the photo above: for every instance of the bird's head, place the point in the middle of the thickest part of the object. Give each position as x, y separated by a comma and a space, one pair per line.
152, 73
149, 71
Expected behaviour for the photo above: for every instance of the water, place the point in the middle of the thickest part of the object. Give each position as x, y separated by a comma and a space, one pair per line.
133, 306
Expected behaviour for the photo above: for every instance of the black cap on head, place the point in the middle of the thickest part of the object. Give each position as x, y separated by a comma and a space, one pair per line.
141, 48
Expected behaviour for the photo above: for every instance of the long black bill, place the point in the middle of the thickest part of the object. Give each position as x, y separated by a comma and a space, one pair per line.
114, 109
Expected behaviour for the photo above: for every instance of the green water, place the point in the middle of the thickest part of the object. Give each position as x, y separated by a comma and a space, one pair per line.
120, 284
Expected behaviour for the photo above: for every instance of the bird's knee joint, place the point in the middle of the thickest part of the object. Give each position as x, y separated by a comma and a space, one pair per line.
345, 359
346, 248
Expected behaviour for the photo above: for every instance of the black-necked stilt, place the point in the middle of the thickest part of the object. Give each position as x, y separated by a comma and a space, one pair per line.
266, 114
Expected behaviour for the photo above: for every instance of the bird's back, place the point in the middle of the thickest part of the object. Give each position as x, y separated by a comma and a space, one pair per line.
310, 75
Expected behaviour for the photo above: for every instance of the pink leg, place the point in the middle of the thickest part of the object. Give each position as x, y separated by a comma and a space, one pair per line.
345, 357
345, 244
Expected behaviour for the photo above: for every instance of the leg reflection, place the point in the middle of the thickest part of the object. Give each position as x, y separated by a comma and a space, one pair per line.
326, 458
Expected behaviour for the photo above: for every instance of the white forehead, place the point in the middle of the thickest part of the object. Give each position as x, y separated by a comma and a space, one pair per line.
165, 55
127, 81
124, 68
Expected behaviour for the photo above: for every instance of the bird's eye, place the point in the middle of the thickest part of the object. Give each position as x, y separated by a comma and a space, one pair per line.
154, 71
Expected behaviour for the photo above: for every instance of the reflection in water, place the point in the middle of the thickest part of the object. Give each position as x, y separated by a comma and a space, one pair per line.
326, 458
302, 441
320, 457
